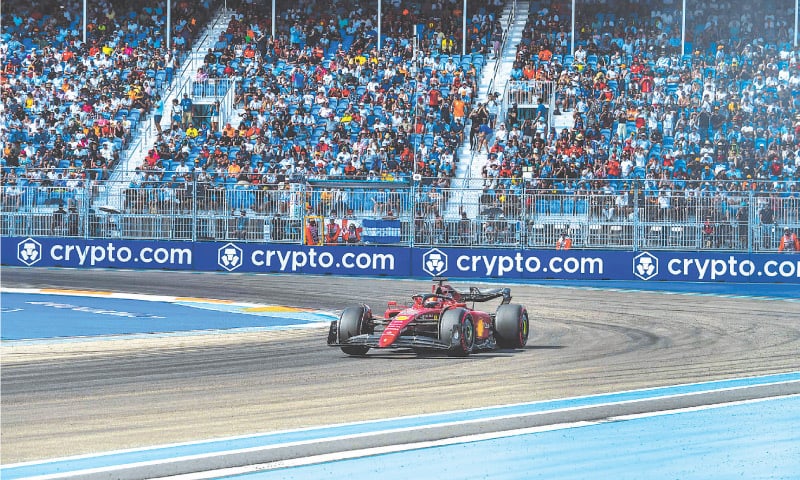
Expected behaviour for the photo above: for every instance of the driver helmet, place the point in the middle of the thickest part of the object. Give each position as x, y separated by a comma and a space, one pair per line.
431, 302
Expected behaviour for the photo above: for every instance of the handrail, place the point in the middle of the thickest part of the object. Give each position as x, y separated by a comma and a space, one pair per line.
175, 89
506, 32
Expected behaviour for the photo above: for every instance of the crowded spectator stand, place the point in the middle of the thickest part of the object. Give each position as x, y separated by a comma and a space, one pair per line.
631, 131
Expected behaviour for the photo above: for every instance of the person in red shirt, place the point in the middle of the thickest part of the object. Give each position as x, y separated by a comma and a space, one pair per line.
613, 167
152, 157
434, 97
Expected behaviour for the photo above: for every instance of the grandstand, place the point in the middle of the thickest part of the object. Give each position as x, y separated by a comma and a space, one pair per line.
508, 140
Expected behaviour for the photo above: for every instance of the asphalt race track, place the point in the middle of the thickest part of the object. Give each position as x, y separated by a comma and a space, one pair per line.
83, 397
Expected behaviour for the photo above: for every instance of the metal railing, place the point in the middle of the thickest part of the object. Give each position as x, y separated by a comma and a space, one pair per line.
513, 217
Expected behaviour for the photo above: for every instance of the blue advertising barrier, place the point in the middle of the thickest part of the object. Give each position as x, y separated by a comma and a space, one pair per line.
402, 262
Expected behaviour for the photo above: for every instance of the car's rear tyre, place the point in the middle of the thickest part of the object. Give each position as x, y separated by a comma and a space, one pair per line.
352, 322
511, 326
457, 329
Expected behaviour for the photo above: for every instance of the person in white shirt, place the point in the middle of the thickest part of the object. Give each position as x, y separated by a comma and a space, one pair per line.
182, 169
665, 204
325, 111
626, 166
343, 157
336, 170
501, 134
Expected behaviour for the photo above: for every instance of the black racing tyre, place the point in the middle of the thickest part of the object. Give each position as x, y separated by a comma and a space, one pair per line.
352, 322
457, 329
511, 326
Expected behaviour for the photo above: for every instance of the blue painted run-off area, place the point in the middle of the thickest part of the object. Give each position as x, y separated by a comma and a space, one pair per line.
758, 440
755, 440
43, 316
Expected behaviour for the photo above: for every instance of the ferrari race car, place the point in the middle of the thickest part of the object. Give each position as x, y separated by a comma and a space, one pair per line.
436, 321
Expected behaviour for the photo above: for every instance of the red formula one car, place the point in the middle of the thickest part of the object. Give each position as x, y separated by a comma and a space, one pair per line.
440, 320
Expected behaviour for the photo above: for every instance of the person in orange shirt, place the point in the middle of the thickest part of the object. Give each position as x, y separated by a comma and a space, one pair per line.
528, 71
312, 233
229, 131
564, 241
234, 169
789, 242
253, 131
458, 109
545, 55
332, 232
152, 157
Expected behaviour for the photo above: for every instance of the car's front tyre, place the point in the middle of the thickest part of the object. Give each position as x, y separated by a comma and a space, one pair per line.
352, 322
457, 329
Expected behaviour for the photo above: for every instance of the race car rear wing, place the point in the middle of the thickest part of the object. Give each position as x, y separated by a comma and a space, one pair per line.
477, 295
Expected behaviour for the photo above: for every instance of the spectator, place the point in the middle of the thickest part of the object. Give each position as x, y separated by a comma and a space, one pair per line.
12, 194
564, 241
176, 115
57, 223
709, 234
158, 113
241, 225
186, 111
278, 225
742, 220
312, 234
73, 221
352, 235
332, 232
766, 217
789, 242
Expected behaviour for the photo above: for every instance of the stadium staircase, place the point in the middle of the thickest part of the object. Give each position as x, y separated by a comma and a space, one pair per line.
145, 136
468, 181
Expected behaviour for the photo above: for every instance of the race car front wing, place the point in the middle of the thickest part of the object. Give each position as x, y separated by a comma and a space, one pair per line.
373, 341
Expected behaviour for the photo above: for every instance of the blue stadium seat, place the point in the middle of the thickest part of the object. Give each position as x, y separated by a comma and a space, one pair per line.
569, 206
581, 206
542, 206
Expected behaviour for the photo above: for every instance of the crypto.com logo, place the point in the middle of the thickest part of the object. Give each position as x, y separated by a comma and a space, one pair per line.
229, 257
29, 251
645, 266
434, 262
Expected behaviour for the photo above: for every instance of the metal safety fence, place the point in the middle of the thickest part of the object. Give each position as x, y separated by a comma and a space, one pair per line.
716, 217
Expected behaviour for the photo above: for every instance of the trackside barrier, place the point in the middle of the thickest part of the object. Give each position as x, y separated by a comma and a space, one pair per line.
182, 207
456, 263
